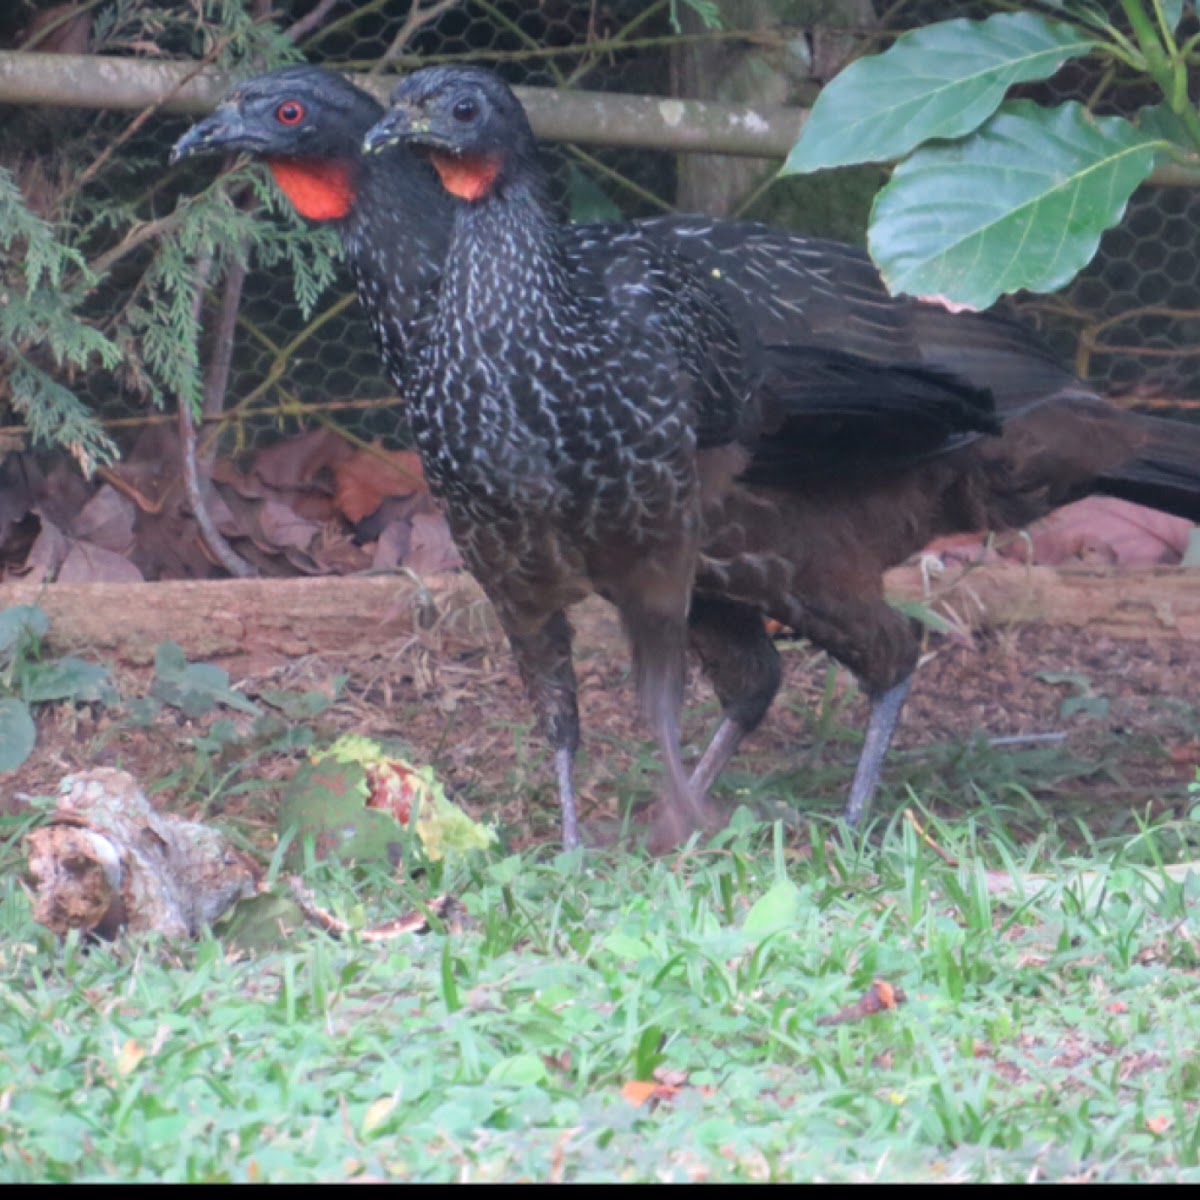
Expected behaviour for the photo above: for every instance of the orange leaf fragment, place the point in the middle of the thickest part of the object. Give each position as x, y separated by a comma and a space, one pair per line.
880, 997
884, 993
638, 1091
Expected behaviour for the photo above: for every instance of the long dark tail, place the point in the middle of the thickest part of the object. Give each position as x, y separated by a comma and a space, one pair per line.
1164, 473
990, 351
1078, 445
822, 412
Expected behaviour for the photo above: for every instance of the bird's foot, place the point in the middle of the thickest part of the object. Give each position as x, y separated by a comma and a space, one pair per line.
673, 822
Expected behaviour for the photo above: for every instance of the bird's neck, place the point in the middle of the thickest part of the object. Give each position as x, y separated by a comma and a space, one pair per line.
506, 262
487, 415
320, 189
395, 238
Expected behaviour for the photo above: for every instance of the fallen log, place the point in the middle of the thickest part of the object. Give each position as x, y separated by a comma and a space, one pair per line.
246, 624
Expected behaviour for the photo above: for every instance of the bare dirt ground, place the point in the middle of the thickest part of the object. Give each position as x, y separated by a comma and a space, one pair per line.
1100, 725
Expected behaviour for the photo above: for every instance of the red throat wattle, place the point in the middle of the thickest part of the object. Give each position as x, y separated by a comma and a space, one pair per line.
469, 178
320, 189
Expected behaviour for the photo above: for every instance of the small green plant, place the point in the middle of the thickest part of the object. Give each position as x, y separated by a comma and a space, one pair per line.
72, 325
1044, 1025
28, 678
991, 194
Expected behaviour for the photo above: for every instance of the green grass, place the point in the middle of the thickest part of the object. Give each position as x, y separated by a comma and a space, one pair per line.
1050, 1034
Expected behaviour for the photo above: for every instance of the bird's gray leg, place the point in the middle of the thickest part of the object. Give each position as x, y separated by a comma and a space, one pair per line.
564, 761
885, 712
543, 655
879, 644
658, 642
740, 659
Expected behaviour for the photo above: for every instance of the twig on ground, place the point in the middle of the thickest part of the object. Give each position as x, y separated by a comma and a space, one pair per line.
949, 859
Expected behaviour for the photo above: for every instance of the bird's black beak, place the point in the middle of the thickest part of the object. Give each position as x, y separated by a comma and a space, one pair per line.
224, 130
403, 123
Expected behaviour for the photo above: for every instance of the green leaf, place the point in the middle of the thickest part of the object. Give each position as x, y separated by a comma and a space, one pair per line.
587, 201
69, 679
1191, 556
919, 610
422, 803
648, 1053
297, 706
194, 688
942, 81
622, 945
1158, 121
17, 733
261, 923
521, 1070
1172, 11
20, 623
1021, 204
777, 908
449, 983
326, 800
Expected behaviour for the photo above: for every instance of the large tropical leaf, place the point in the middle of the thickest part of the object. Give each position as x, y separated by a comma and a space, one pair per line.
941, 81
1020, 204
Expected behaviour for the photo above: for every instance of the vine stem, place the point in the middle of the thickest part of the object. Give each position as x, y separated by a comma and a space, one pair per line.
1162, 64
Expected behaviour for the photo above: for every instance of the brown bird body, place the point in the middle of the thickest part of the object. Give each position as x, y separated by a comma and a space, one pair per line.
584, 413
820, 512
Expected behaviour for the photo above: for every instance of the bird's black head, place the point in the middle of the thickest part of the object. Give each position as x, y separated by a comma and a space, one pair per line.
466, 119
306, 123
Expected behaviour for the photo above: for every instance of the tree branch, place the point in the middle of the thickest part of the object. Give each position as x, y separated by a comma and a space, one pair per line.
418, 17
586, 118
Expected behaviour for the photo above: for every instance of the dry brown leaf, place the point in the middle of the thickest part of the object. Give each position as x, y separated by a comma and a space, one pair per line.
86, 563
106, 520
368, 477
130, 1055
432, 548
49, 549
391, 547
1186, 755
295, 464
638, 1091
281, 526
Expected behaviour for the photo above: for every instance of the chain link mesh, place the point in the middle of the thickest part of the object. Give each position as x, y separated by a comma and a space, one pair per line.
1129, 322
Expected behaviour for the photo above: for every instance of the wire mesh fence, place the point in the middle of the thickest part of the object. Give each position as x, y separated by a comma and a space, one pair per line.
1128, 322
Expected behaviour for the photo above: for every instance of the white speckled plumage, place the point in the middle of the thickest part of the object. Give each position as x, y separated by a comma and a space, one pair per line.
860, 465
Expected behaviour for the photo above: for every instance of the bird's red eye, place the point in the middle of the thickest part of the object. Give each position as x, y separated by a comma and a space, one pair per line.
290, 113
